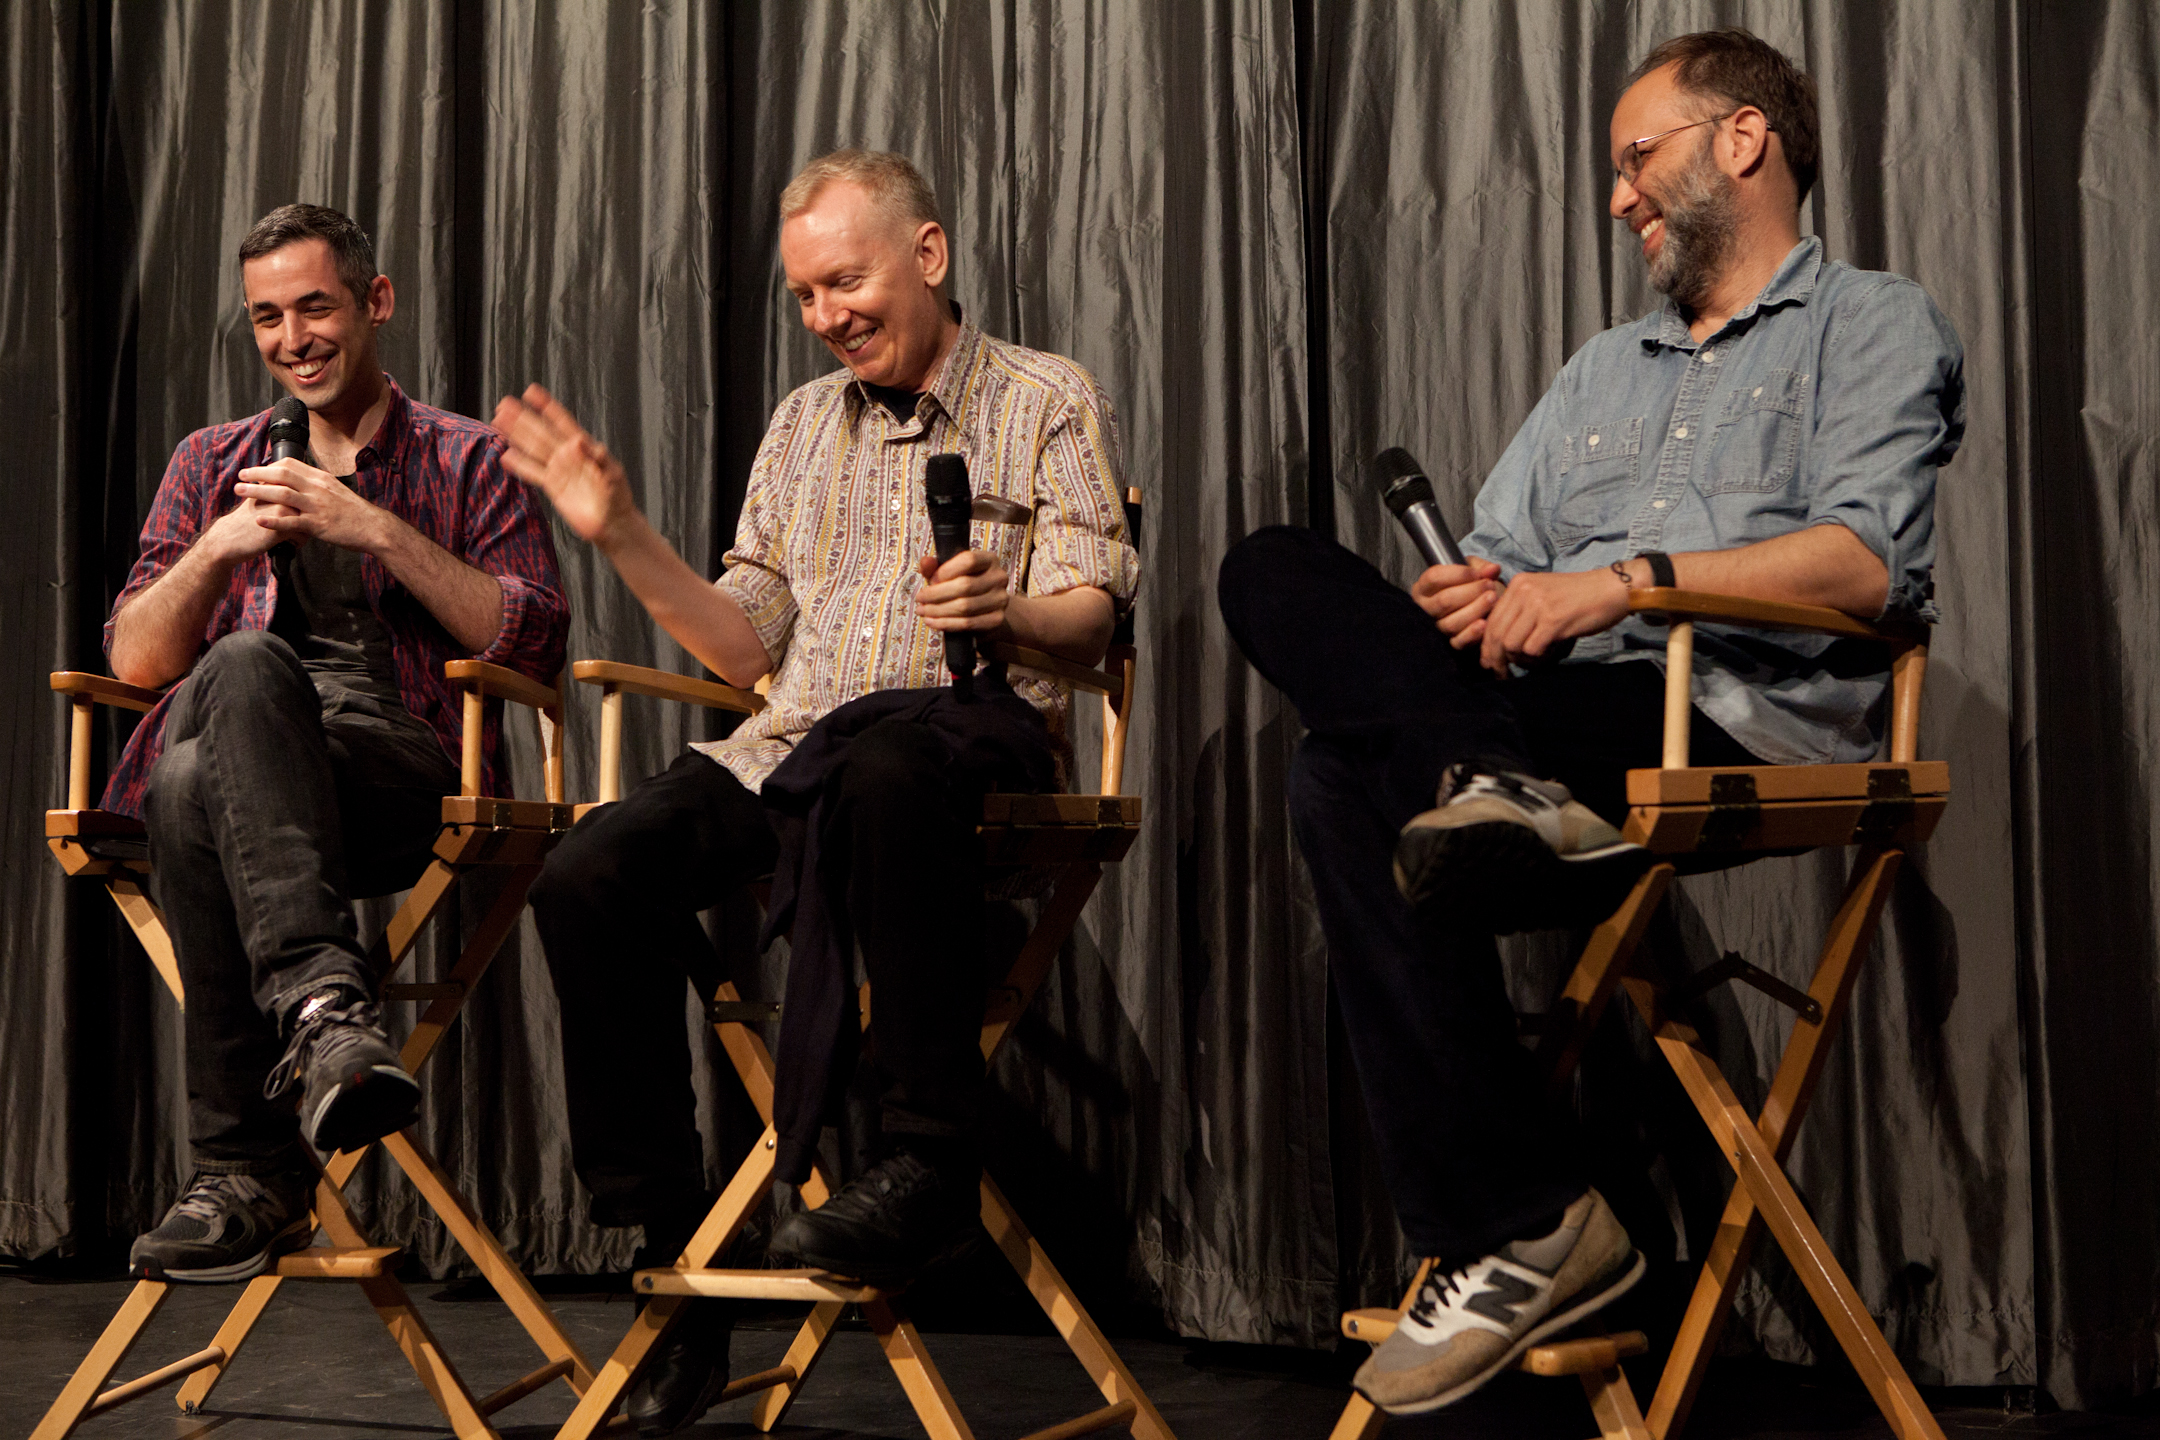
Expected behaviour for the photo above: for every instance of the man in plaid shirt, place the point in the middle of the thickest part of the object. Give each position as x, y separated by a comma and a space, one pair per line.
301, 613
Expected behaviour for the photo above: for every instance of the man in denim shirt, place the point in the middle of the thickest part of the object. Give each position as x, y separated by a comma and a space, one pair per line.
1772, 431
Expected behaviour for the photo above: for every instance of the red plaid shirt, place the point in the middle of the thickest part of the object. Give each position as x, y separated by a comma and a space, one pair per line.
440, 473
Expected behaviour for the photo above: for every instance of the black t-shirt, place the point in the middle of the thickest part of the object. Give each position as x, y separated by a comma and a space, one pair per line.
323, 613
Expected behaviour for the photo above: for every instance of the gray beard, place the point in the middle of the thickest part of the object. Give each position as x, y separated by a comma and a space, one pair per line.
1702, 224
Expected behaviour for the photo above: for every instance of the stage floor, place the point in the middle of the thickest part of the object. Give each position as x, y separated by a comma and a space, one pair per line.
321, 1367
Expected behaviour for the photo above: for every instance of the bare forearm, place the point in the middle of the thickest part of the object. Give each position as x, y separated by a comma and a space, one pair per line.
1822, 565
158, 634
466, 601
1074, 624
704, 621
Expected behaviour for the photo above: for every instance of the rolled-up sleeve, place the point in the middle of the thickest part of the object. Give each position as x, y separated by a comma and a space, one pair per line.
1081, 537
174, 520
1893, 413
1506, 530
756, 574
508, 538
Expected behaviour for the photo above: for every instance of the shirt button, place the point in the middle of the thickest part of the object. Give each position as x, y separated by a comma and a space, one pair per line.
1709, 356
1758, 393
1593, 439
1681, 433
1657, 504
866, 632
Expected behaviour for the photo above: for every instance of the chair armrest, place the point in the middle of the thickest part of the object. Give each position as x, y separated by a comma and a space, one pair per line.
1908, 642
501, 682
1080, 677
1768, 615
105, 690
666, 685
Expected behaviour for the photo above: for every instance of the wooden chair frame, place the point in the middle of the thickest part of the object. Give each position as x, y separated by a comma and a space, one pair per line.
1071, 836
1677, 812
477, 831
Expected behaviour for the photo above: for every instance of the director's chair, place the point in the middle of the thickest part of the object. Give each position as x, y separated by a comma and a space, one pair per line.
1699, 819
478, 832
1053, 846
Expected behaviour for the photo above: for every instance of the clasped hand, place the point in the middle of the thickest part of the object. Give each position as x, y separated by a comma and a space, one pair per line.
289, 499
971, 591
1520, 619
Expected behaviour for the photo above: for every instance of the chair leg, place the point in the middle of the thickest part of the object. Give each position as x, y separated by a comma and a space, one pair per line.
1575, 1015
148, 923
486, 1252
1788, 1221
119, 1337
918, 1374
1086, 1341
1613, 1403
230, 1337
1791, 1090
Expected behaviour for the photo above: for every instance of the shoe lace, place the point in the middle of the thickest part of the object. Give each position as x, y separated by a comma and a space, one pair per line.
1437, 1290
324, 1033
211, 1195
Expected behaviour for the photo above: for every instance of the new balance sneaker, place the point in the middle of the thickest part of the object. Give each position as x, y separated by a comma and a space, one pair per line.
1467, 1326
226, 1227
353, 1090
894, 1221
1504, 852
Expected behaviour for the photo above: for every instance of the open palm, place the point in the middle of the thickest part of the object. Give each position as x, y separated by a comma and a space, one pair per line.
551, 452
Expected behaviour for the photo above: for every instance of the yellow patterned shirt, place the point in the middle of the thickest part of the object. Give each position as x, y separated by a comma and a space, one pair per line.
833, 522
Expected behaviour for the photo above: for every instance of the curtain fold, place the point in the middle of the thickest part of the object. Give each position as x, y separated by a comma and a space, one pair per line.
1284, 234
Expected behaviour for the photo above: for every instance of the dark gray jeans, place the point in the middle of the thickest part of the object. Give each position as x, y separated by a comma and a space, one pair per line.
272, 806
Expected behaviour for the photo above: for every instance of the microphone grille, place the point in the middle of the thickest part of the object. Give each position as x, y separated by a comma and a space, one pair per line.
945, 481
288, 418
1401, 479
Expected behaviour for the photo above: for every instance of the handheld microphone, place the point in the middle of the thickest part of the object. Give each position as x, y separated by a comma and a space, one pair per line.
288, 430
1409, 496
948, 499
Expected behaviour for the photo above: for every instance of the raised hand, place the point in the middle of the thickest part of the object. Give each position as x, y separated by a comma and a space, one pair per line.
551, 452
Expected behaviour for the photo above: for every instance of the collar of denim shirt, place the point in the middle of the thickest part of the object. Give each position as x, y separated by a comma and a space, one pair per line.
1793, 283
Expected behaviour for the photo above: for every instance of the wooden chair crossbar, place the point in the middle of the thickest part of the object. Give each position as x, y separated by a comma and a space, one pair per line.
1702, 817
477, 831
1059, 842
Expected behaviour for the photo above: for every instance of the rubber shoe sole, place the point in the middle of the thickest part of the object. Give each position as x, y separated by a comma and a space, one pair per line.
1500, 877
1605, 1293
877, 1274
362, 1108
294, 1236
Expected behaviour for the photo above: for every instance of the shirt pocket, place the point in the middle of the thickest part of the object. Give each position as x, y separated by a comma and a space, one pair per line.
1756, 446
1598, 465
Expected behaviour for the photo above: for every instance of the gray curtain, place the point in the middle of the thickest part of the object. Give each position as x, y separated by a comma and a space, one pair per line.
1284, 233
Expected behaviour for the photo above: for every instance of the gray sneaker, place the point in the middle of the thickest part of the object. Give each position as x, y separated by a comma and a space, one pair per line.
1503, 851
1467, 1326
227, 1227
353, 1090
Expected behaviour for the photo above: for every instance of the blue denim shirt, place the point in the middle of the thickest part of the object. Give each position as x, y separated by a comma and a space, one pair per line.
1831, 399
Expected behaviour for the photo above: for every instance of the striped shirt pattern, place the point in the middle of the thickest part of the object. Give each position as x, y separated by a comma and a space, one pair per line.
833, 523
440, 473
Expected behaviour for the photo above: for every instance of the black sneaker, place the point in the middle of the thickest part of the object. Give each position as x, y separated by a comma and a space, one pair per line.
227, 1227
1504, 852
353, 1089
897, 1219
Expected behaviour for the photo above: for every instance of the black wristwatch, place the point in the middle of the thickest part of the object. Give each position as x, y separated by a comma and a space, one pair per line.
1661, 571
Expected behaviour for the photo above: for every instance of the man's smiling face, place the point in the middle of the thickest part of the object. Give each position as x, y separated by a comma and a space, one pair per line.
314, 335
867, 284
1682, 207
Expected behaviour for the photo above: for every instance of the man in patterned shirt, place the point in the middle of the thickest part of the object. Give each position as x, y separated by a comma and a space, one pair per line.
828, 590
305, 612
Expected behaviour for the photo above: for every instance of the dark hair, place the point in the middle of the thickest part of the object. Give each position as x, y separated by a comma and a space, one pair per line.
349, 244
1734, 68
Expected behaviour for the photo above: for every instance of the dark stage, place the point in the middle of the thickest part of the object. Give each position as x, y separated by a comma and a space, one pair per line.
320, 1367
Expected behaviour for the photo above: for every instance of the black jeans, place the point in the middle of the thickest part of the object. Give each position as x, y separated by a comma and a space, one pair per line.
271, 806
617, 909
1472, 1154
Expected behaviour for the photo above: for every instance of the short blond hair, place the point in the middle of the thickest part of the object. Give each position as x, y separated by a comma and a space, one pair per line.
892, 182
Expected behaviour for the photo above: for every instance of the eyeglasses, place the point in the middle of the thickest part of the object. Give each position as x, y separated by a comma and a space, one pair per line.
1631, 158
